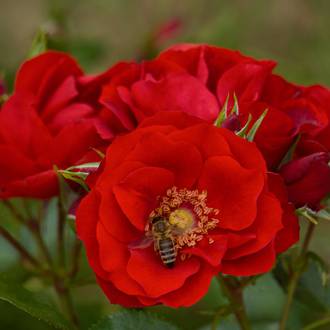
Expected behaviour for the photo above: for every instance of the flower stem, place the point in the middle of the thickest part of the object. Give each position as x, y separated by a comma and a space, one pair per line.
61, 232
318, 324
294, 279
234, 293
76, 254
19, 247
65, 299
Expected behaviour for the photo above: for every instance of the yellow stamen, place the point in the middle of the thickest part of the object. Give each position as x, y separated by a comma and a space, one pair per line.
189, 226
181, 218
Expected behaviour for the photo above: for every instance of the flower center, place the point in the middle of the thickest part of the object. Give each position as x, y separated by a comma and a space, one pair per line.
188, 215
182, 218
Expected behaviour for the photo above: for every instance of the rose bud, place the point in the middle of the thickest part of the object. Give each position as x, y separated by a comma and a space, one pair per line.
177, 201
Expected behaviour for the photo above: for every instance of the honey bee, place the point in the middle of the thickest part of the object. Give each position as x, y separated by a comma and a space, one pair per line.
163, 240
160, 233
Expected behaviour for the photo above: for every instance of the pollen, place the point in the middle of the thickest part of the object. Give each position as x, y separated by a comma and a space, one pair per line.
182, 218
188, 215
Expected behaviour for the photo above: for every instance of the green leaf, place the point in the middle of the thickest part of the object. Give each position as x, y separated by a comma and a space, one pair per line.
132, 320
243, 130
235, 109
222, 114
39, 44
289, 154
35, 304
250, 136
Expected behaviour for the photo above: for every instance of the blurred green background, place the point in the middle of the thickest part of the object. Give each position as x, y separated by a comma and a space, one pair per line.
296, 33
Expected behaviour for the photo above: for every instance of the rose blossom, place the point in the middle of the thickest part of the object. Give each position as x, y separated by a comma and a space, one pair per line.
227, 214
198, 79
50, 120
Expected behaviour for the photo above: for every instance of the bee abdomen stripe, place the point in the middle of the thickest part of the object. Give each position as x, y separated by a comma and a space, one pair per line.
168, 256
167, 251
168, 260
166, 244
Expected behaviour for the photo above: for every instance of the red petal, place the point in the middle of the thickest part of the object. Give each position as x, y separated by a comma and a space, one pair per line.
206, 138
194, 288
194, 98
146, 267
211, 253
290, 232
137, 193
114, 220
244, 151
181, 158
233, 190
86, 223
268, 223
254, 264
40, 185
246, 80
117, 297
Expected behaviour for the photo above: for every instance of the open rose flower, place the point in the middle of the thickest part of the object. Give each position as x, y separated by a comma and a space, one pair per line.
198, 79
50, 120
225, 212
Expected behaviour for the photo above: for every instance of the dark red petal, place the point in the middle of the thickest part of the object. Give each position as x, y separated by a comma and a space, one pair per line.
146, 267
14, 165
307, 179
254, 264
289, 234
40, 185
233, 190
137, 193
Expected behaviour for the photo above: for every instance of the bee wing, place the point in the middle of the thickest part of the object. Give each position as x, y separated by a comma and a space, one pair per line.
141, 243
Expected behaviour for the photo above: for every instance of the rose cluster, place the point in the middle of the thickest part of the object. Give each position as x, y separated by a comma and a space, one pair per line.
176, 199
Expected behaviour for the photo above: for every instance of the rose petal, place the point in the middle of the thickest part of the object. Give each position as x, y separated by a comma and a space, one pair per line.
146, 267
181, 158
222, 178
137, 193
254, 264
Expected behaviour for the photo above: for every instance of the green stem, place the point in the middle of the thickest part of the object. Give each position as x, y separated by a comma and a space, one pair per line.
318, 324
61, 233
65, 299
234, 294
59, 282
19, 247
34, 227
295, 276
76, 253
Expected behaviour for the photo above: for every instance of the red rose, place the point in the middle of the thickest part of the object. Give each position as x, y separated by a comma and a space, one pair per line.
51, 119
197, 79
308, 174
225, 213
